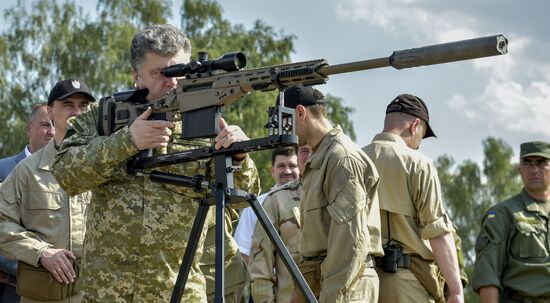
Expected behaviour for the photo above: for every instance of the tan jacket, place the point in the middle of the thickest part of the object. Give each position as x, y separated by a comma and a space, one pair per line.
36, 213
340, 217
271, 281
410, 192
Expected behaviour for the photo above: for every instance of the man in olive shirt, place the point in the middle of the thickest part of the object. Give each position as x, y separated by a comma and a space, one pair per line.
339, 215
40, 224
512, 249
414, 222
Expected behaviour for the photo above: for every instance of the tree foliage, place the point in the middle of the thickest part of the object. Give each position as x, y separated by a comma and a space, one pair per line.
470, 190
48, 40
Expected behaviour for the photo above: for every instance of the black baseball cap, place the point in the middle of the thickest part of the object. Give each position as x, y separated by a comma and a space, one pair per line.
412, 105
65, 88
302, 95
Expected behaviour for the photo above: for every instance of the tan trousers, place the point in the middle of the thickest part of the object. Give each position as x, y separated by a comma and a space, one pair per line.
401, 286
364, 290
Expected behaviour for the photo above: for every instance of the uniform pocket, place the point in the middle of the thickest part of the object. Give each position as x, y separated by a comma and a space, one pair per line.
349, 201
531, 240
43, 200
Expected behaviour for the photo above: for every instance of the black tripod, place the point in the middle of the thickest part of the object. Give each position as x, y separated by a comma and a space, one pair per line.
224, 193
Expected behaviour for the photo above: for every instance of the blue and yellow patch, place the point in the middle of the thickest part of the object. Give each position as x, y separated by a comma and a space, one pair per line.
492, 214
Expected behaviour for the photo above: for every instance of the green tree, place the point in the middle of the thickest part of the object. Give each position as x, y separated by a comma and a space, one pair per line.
48, 41
469, 191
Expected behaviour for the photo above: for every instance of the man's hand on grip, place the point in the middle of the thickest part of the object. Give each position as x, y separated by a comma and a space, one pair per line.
150, 133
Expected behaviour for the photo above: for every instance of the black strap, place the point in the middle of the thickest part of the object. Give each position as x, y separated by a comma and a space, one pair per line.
388, 222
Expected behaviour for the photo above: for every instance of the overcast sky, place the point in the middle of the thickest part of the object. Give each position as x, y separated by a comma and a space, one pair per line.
506, 97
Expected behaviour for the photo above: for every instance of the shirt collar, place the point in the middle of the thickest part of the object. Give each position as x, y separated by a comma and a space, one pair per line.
47, 155
532, 204
387, 136
316, 159
27, 151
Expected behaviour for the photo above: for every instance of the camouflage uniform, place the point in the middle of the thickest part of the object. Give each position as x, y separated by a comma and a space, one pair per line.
513, 249
410, 196
340, 221
36, 213
137, 229
236, 273
282, 205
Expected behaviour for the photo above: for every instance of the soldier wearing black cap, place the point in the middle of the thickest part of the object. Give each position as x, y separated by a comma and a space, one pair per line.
340, 223
40, 225
416, 230
67, 99
513, 246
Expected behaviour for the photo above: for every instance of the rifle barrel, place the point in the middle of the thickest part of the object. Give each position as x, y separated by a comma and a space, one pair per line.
427, 55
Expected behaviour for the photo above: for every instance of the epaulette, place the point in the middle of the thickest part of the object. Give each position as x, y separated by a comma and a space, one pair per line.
293, 185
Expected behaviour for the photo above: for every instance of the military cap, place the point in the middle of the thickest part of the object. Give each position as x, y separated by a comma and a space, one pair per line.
66, 88
302, 95
535, 148
412, 105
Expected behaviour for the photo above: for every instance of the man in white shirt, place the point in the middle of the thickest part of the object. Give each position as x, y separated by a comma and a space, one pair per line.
284, 169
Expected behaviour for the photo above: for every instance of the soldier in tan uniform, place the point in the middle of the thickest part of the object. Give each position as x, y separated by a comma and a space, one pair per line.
513, 246
416, 231
40, 224
284, 169
138, 229
339, 215
271, 281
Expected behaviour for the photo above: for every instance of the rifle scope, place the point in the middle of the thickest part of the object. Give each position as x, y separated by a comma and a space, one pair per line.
229, 62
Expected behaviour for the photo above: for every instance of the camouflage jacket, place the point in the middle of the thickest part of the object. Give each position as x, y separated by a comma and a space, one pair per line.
271, 281
137, 230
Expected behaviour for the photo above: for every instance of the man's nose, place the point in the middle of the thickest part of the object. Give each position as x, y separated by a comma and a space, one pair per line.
533, 169
170, 82
75, 111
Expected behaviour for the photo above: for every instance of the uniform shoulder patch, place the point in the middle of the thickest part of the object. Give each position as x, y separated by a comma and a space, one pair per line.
288, 186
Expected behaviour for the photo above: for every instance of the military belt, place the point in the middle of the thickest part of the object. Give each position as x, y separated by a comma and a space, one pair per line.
370, 262
517, 297
316, 258
403, 262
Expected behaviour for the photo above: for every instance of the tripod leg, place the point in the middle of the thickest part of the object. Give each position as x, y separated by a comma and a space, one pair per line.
282, 251
189, 254
220, 241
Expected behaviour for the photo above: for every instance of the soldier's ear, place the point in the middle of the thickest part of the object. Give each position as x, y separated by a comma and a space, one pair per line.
135, 76
300, 113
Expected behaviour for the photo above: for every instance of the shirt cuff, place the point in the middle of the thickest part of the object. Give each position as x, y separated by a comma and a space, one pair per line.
483, 280
438, 227
33, 257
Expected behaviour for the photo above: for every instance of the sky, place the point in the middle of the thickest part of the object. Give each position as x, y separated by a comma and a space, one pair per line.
506, 97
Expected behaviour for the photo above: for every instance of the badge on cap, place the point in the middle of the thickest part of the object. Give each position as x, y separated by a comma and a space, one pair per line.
76, 84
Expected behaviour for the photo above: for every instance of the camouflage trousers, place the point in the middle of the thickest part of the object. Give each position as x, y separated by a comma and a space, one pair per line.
72, 299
